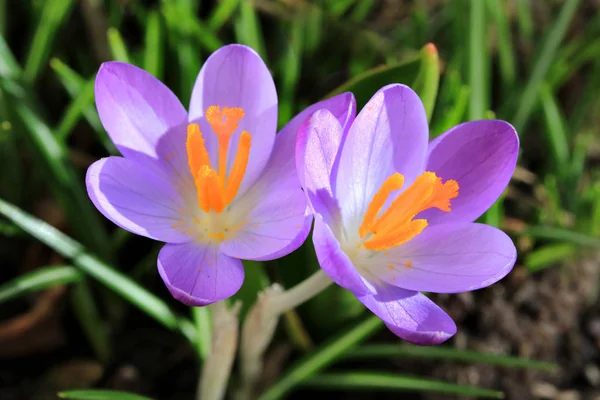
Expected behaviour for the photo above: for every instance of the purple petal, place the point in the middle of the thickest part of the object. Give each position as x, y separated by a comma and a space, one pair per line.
143, 118
137, 198
199, 275
236, 76
448, 258
481, 156
410, 315
389, 135
319, 140
334, 262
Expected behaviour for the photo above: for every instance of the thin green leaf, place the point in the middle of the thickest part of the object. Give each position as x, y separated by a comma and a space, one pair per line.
9, 67
547, 54
555, 129
222, 13
361, 10
117, 45
39, 279
478, 53
321, 357
111, 278
427, 82
339, 7
98, 394
386, 351
525, 19
565, 235
506, 54
86, 311
290, 70
75, 111
379, 381
248, 30
365, 85
153, 51
54, 14
548, 255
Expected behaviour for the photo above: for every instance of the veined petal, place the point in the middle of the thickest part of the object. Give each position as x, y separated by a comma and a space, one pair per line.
410, 315
448, 258
481, 156
143, 118
334, 262
319, 140
199, 275
236, 76
137, 198
389, 135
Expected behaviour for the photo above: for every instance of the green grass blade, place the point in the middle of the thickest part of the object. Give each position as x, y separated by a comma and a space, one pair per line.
117, 46
9, 67
427, 82
339, 7
555, 129
201, 316
445, 353
565, 235
525, 19
498, 13
154, 49
381, 381
98, 394
478, 53
366, 84
361, 10
54, 14
111, 278
544, 60
75, 111
321, 357
290, 70
92, 325
549, 255
39, 279
222, 13
248, 30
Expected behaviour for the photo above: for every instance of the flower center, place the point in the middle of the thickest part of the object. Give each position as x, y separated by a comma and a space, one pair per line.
216, 189
396, 225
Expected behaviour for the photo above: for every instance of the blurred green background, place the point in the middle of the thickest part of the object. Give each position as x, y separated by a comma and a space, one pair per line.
81, 304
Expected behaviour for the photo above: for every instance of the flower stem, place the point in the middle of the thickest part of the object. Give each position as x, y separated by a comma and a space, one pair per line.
262, 319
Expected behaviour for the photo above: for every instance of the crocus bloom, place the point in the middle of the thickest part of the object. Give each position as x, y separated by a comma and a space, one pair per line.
394, 215
215, 183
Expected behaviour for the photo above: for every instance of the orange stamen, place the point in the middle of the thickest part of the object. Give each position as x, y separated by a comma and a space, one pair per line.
396, 225
391, 184
239, 167
224, 123
196, 149
216, 190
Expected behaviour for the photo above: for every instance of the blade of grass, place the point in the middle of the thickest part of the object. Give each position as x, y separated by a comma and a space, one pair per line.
39, 279
201, 316
92, 325
361, 10
9, 67
478, 53
153, 51
117, 45
222, 13
565, 235
290, 70
111, 278
98, 394
54, 14
248, 30
498, 12
545, 58
427, 82
321, 358
524, 19
378, 381
555, 130
549, 255
378, 351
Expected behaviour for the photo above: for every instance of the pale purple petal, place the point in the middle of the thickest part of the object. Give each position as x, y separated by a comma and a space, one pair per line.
389, 135
410, 315
236, 76
448, 258
481, 156
143, 118
138, 198
334, 262
198, 275
319, 140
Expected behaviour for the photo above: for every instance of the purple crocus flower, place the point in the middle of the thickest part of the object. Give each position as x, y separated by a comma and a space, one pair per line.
216, 184
394, 215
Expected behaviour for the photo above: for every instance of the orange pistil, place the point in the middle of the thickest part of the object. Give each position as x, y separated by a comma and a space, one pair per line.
216, 190
396, 225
